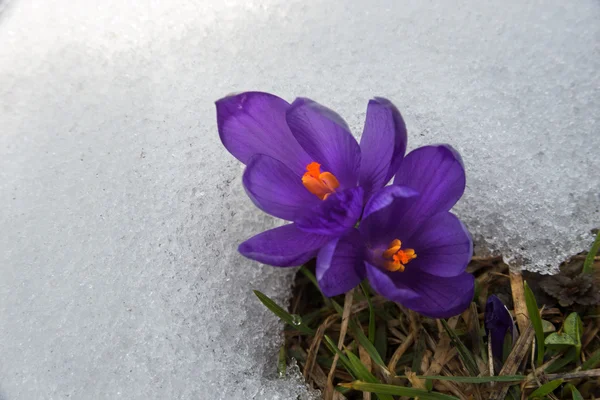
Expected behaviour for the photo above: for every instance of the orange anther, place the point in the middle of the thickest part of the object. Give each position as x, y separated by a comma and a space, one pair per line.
396, 259
321, 184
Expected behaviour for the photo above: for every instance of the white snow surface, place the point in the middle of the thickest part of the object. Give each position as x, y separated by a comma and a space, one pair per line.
121, 210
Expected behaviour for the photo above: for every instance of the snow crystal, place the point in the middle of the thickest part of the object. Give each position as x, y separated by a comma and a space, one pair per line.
122, 212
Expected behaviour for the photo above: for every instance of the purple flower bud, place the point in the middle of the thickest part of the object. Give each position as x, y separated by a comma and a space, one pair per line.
498, 322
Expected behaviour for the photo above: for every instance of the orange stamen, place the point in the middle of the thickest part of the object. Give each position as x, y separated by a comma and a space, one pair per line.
396, 259
321, 184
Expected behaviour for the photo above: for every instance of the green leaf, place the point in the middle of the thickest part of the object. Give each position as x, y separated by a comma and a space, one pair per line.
573, 326
364, 374
592, 362
507, 346
473, 379
575, 395
292, 320
571, 335
558, 340
382, 389
545, 389
371, 314
463, 352
536, 320
548, 326
589, 259
366, 343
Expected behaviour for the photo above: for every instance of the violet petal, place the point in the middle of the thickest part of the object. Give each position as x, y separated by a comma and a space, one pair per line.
386, 216
442, 297
286, 246
437, 173
438, 297
376, 146
334, 216
326, 139
498, 322
275, 189
255, 123
384, 283
430, 295
340, 265
443, 246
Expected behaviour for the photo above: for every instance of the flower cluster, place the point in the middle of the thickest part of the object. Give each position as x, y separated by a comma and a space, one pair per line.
303, 165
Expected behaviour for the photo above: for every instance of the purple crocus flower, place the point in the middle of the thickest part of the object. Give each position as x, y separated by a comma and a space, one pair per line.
303, 165
498, 322
410, 247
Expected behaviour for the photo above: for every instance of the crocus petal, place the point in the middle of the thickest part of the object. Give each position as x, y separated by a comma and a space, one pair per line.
276, 189
286, 246
386, 217
335, 215
440, 297
498, 322
382, 145
384, 283
437, 173
255, 123
432, 296
340, 265
443, 246
326, 139
400, 138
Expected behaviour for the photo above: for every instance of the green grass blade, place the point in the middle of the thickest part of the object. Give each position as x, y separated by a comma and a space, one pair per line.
474, 379
366, 343
364, 374
342, 390
339, 309
281, 362
342, 357
282, 314
575, 395
463, 352
383, 389
514, 392
371, 314
592, 362
381, 339
536, 320
589, 260
568, 357
361, 370
545, 389
311, 277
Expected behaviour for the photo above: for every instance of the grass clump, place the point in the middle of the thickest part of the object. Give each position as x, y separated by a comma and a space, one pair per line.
362, 346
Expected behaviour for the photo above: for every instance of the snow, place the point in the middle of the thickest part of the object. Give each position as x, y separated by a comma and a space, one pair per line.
122, 212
